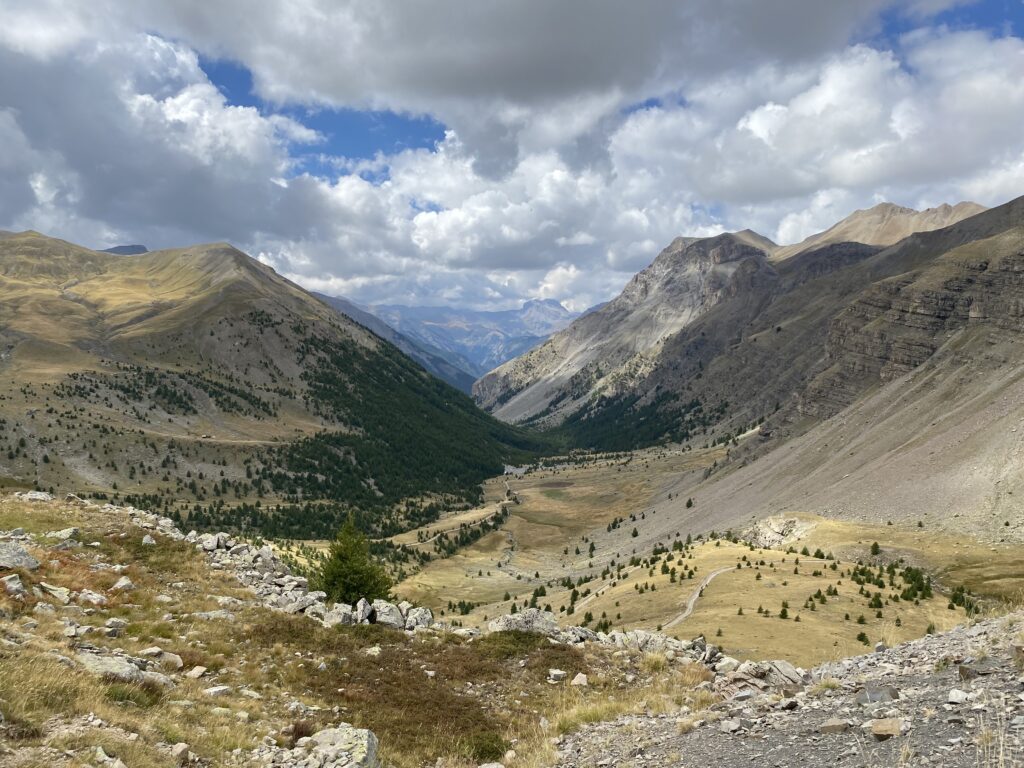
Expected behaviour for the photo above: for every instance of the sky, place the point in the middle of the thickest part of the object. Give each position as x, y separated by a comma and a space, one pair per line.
482, 154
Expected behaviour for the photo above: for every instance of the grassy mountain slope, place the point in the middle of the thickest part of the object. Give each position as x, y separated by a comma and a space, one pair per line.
200, 382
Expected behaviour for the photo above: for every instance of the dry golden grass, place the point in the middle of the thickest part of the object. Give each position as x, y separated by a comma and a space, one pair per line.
418, 718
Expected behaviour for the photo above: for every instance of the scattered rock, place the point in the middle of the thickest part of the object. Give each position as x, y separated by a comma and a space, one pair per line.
13, 586
124, 584
886, 728
111, 668
60, 594
580, 680
835, 725
93, 598
956, 696
15, 556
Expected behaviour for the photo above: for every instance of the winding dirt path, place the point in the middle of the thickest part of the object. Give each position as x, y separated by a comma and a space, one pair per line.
696, 596
692, 602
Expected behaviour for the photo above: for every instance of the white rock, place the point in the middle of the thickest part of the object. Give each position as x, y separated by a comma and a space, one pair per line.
956, 696
418, 617
218, 690
124, 584
388, 614
13, 586
580, 680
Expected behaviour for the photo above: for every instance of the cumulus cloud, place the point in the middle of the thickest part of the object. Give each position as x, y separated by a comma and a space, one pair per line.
582, 136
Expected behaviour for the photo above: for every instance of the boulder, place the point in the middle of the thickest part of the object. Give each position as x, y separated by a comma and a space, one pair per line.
886, 728
180, 753
418, 617
340, 614
580, 681
364, 611
124, 584
359, 744
61, 594
726, 664
14, 556
115, 669
34, 496
93, 598
157, 679
388, 614
956, 696
834, 725
530, 620
148, 541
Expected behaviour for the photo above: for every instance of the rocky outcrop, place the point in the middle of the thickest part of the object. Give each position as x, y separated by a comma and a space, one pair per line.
276, 587
897, 324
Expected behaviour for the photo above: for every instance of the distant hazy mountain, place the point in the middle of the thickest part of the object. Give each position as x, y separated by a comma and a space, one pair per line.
446, 366
126, 250
484, 339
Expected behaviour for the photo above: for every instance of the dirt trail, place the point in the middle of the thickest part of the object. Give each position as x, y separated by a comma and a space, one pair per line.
695, 596
692, 602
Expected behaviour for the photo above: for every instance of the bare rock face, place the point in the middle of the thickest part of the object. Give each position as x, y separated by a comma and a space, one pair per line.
608, 348
896, 325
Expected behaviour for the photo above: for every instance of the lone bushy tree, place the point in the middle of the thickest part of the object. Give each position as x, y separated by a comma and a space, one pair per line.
350, 571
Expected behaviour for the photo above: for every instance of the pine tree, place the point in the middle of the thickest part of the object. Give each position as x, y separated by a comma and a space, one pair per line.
350, 572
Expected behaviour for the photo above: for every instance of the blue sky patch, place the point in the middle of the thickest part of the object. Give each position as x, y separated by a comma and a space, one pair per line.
349, 133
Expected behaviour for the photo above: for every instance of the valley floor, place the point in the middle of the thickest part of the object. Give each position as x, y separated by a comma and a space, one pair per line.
594, 528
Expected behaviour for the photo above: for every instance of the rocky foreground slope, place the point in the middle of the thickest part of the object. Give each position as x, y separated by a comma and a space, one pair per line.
124, 642
955, 699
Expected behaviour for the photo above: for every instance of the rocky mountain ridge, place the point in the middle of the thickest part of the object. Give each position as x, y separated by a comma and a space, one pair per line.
744, 356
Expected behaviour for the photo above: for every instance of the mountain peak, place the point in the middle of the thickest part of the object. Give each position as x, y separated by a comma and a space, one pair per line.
884, 224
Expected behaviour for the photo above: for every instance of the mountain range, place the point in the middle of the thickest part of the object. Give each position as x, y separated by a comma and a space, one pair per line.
719, 288
199, 382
